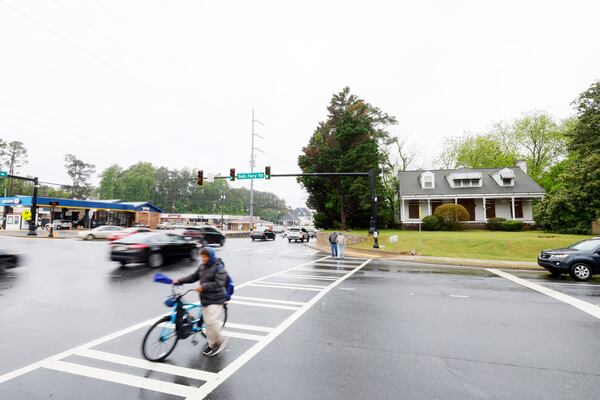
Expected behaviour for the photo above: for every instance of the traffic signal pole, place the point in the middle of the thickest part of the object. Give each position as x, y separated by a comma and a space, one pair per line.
268, 175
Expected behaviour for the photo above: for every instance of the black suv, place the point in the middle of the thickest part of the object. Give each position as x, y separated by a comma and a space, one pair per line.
581, 260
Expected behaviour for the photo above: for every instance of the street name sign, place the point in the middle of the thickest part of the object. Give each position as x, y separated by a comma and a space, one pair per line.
251, 175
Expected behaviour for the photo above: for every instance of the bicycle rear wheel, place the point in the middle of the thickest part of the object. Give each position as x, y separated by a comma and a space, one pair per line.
160, 340
223, 318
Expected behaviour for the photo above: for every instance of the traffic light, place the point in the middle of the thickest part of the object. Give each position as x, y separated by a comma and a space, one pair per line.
232, 174
267, 172
200, 179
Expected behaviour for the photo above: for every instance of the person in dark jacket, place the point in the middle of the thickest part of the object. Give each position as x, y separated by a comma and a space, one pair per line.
333, 243
213, 277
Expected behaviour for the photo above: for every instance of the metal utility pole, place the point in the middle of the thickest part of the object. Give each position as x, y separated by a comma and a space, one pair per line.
252, 165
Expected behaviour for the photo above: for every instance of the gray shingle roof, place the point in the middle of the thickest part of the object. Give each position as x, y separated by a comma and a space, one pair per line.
410, 184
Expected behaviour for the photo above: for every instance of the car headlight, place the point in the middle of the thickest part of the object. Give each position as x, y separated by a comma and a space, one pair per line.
559, 256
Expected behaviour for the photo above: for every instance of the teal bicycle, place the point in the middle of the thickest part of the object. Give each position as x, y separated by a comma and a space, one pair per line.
162, 337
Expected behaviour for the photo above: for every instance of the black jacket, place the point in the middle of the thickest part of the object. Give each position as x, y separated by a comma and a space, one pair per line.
213, 279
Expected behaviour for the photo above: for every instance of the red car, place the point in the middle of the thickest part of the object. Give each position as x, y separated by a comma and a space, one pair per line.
127, 232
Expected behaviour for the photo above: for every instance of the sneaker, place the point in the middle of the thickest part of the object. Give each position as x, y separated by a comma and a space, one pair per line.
220, 347
207, 350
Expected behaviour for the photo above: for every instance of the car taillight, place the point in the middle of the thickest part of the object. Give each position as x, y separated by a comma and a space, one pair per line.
138, 246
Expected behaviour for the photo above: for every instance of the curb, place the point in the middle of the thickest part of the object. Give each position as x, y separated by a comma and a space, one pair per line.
460, 262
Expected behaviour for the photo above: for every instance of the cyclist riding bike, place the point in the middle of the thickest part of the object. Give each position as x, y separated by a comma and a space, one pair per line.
213, 278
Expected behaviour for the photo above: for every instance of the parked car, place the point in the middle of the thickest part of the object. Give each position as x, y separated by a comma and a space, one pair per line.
297, 234
204, 235
8, 260
59, 224
153, 249
101, 232
127, 232
262, 234
581, 260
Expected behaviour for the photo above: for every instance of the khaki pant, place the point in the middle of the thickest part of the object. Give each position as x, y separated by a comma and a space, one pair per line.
212, 322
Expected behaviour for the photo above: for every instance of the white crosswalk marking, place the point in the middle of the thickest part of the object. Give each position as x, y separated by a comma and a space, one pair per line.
286, 287
144, 364
124, 379
262, 336
266, 305
262, 299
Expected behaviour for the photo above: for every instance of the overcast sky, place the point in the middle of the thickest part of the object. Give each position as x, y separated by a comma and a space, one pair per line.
174, 82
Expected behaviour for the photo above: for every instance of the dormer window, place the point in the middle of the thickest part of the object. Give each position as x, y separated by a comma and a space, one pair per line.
427, 180
506, 177
465, 179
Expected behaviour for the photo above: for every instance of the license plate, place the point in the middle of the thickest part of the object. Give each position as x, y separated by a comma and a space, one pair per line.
120, 248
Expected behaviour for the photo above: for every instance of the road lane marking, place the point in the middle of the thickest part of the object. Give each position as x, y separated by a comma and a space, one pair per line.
241, 335
334, 267
337, 261
284, 287
569, 284
462, 296
144, 364
248, 327
93, 343
239, 362
292, 284
332, 271
124, 379
313, 277
266, 305
584, 306
262, 299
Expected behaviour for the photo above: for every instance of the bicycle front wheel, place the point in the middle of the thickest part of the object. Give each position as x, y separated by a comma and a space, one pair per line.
160, 340
222, 318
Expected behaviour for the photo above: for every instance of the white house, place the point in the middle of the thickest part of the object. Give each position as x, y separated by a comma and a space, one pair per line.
485, 192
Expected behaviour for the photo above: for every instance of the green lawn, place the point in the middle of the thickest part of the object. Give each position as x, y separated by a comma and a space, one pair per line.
485, 245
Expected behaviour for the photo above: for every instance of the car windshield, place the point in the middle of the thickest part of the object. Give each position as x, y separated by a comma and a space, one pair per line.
586, 245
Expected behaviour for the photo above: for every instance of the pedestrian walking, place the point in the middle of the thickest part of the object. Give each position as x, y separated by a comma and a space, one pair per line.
213, 278
333, 243
341, 244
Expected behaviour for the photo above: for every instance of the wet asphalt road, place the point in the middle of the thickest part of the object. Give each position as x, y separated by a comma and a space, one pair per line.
388, 330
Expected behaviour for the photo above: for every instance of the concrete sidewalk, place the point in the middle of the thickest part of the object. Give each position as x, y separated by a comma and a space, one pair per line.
388, 255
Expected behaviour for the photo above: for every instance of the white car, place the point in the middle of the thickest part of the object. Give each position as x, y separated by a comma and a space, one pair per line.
101, 232
297, 235
59, 224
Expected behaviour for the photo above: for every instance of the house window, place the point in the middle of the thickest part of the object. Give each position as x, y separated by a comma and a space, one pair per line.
427, 180
507, 181
413, 209
467, 182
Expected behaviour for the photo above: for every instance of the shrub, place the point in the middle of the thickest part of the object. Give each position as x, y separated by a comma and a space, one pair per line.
432, 223
452, 213
512, 226
495, 224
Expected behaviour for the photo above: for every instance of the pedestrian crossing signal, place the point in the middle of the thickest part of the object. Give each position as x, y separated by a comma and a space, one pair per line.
232, 174
200, 179
267, 172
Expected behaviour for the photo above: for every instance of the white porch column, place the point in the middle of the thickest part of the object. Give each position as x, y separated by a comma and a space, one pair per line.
401, 210
484, 209
429, 206
512, 205
456, 200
